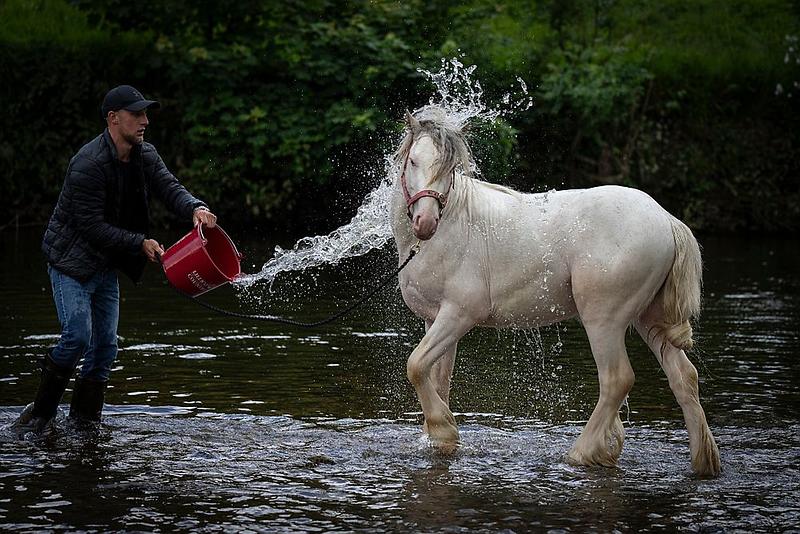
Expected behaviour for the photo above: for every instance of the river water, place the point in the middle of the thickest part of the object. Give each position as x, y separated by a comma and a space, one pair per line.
217, 424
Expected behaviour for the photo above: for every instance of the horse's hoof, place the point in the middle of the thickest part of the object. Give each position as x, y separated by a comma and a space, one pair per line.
597, 458
445, 439
443, 436
707, 463
446, 447
705, 460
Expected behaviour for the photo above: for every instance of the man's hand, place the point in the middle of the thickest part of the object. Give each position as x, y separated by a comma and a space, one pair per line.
203, 215
150, 248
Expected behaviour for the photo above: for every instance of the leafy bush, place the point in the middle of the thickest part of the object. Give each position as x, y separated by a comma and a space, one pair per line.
281, 111
55, 69
601, 92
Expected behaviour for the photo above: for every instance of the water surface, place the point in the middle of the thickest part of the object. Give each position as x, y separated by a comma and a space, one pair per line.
220, 424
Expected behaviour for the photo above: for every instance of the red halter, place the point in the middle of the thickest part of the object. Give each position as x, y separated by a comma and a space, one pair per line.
441, 198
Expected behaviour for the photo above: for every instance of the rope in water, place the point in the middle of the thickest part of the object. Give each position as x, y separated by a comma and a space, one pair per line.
292, 322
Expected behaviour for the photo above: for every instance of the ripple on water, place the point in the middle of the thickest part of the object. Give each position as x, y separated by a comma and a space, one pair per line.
42, 337
146, 347
377, 334
281, 473
228, 337
197, 356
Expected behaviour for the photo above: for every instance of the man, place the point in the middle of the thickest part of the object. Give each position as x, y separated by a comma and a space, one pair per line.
99, 226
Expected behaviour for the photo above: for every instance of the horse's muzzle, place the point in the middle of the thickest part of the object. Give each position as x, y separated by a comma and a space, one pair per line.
424, 226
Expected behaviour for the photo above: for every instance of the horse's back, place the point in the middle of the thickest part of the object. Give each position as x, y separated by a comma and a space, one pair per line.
606, 200
609, 218
619, 245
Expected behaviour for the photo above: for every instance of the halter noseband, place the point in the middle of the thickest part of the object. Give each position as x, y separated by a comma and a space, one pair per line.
441, 198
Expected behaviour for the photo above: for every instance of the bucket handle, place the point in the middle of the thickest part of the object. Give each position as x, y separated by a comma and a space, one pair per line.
200, 233
236, 250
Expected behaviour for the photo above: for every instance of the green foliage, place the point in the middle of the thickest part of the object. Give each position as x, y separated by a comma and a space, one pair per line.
50, 105
278, 93
45, 21
599, 86
708, 42
676, 98
494, 148
505, 38
273, 110
599, 94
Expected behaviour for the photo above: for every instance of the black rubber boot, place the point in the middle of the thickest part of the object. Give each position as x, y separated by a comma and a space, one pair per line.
38, 416
87, 399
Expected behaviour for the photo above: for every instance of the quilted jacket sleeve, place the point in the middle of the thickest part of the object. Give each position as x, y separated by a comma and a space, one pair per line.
87, 187
166, 187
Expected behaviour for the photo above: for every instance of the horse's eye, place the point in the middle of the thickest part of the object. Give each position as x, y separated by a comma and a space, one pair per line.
413, 163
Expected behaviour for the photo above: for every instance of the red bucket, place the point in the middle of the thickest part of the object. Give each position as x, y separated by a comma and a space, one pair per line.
202, 260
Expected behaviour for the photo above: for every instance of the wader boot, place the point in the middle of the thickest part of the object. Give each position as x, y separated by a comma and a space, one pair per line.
87, 400
38, 416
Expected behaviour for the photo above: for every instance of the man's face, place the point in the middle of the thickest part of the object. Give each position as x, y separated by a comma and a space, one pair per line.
131, 125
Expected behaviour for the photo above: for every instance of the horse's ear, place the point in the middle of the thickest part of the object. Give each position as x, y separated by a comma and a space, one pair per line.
412, 123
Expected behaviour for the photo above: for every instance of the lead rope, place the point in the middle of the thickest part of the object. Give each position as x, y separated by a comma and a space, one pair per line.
292, 322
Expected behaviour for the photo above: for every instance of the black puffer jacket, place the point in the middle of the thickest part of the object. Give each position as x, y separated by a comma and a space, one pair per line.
87, 232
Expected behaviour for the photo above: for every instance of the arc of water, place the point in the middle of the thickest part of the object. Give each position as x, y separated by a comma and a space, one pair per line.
460, 96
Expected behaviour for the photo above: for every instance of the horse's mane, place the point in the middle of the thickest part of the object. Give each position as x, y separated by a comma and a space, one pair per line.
454, 152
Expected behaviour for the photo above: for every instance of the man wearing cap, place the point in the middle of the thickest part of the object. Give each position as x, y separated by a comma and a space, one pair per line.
99, 226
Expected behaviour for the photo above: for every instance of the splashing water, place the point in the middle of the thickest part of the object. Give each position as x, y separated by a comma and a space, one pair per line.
458, 99
367, 231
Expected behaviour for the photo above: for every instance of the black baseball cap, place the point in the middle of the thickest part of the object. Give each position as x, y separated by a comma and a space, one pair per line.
125, 97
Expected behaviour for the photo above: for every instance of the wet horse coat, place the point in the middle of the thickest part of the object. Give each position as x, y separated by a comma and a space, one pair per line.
495, 257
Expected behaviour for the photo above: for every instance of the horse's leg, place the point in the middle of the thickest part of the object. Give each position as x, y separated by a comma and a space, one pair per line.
442, 371
439, 342
683, 381
600, 442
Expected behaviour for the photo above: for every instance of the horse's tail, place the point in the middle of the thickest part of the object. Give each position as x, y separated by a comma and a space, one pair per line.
682, 289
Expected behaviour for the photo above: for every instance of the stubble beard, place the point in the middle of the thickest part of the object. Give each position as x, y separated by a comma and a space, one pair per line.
134, 139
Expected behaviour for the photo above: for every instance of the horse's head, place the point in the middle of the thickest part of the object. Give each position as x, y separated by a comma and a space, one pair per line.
429, 157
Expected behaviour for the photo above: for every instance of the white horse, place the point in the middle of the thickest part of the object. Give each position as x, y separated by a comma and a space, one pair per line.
491, 256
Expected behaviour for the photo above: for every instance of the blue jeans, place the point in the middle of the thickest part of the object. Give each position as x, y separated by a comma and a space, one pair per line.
89, 314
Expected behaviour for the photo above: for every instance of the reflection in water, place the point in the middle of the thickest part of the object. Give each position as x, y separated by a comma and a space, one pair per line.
216, 424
